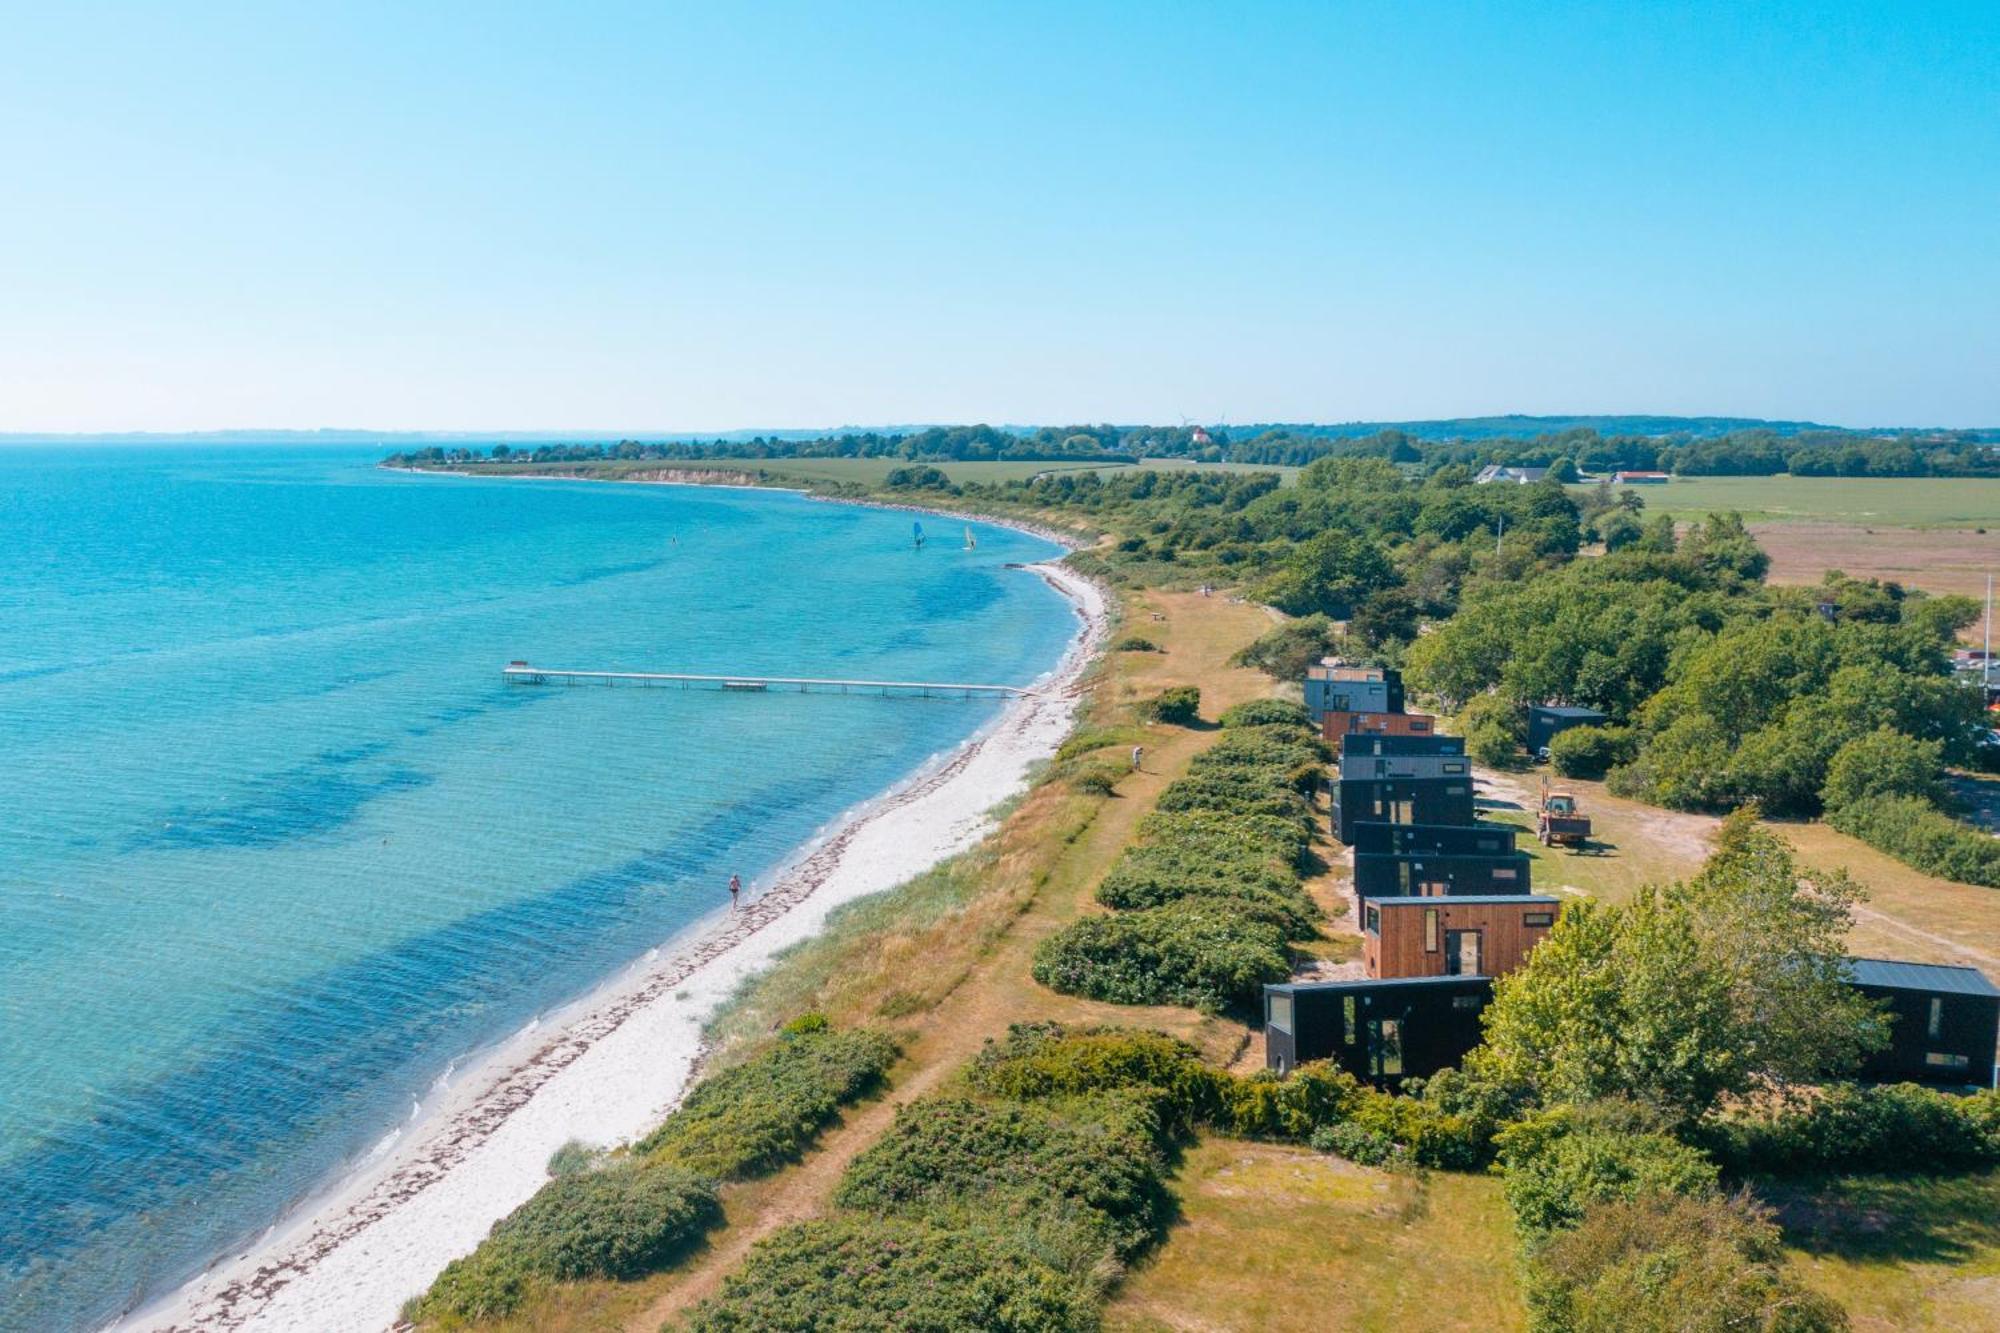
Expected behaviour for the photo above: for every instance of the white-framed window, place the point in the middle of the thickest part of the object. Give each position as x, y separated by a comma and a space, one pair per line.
1278, 1011
1946, 1060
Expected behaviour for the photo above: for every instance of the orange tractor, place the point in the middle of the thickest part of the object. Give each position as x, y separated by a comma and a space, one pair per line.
1561, 821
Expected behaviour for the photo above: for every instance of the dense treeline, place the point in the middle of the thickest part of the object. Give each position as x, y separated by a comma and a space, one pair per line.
1756, 451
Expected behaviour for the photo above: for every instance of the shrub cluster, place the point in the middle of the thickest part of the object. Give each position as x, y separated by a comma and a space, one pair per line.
1179, 706
755, 1117
623, 1220
1019, 1161
1914, 831
1266, 713
1591, 752
859, 1274
1625, 1227
637, 1214
1850, 1127
1211, 891
1135, 643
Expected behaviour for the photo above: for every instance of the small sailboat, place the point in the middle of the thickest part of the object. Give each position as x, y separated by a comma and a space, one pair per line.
970, 544
918, 530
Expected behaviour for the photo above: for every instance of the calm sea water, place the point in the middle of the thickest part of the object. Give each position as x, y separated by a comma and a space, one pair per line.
279, 844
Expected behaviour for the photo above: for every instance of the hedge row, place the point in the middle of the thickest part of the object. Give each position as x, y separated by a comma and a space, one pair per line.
1916, 832
632, 1215
1210, 893
1849, 1127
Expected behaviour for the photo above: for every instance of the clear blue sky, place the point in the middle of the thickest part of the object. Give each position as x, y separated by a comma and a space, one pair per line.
618, 217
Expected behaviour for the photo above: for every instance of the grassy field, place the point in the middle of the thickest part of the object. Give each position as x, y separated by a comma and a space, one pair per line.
1280, 1238
1912, 1252
1899, 502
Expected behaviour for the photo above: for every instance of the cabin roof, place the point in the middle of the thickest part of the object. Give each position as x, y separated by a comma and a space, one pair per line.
1373, 984
1564, 710
1411, 900
1896, 975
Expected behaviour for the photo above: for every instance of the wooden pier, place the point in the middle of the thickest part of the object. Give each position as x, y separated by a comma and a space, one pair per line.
521, 673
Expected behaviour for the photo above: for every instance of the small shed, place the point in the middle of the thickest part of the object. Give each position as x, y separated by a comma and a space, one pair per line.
1945, 1022
1382, 1032
1476, 935
1546, 721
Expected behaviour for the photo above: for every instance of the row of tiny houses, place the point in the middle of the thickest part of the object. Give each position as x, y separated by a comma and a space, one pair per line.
1446, 906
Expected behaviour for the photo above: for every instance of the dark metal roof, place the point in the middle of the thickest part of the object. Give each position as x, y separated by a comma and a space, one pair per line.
1565, 710
1406, 900
1370, 983
1890, 973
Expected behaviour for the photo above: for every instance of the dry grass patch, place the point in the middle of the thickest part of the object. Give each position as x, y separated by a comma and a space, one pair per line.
1280, 1238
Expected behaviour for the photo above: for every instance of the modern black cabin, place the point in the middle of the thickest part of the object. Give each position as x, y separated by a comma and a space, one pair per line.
1394, 800
1546, 720
1366, 765
1382, 1032
1436, 839
1440, 874
1347, 689
1945, 1022
1377, 743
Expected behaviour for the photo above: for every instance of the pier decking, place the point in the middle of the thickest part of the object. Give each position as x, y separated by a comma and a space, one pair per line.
521, 673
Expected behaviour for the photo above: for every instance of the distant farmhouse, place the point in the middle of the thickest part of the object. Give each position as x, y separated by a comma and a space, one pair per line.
1640, 478
1519, 476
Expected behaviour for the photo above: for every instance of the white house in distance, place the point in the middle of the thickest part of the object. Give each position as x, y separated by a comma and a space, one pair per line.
1519, 476
1640, 479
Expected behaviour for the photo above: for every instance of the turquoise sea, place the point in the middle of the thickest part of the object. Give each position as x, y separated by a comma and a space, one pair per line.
279, 845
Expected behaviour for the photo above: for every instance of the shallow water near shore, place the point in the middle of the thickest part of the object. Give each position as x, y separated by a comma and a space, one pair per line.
281, 843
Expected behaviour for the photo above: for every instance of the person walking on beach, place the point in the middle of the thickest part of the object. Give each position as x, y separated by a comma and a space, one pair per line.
735, 890
1138, 757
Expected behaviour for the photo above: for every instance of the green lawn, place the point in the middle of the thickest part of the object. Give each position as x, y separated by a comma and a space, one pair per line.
1898, 502
1908, 1252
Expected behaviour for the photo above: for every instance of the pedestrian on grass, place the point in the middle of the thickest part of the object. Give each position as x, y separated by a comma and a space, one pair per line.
1138, 757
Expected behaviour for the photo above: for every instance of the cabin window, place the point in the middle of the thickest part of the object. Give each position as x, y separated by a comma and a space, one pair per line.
1504, 874
1936, 1024
1403, 877
1946, 1060
1539, 919
1378, 804
1278, 1012
1420, 728
1430, 930
1374, 924
1388, 1044
1454, 768
1468, 1001
1348, 1027
1489, 844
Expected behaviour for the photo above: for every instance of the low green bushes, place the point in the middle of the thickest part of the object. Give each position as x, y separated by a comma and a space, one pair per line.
1205, 953
1849, 1127
1179, 706
859, 1274
1134, 643
1557, 1165
623, 1220
759, 1115
1267, 712
628, 1216
1015, 1160
1591, 752
1671, 1263
1916, 832
1211, 891
1039, 1061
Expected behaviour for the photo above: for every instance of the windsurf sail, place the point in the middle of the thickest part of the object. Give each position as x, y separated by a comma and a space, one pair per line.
918, 530
969, 542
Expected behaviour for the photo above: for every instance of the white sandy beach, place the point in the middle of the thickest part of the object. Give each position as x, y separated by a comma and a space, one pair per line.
611, 1066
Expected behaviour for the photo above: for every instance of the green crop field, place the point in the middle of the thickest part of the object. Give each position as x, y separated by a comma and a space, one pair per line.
1894, 502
